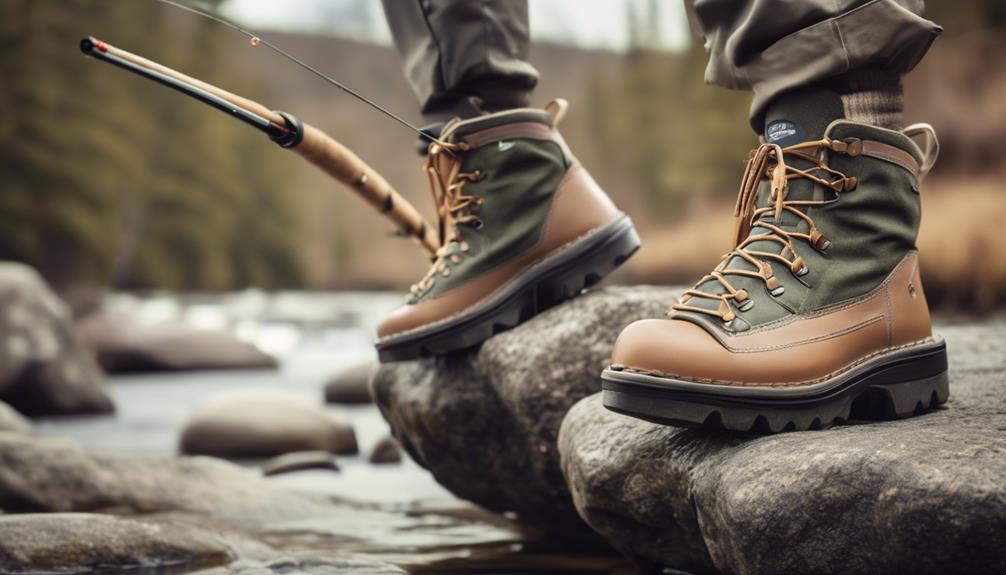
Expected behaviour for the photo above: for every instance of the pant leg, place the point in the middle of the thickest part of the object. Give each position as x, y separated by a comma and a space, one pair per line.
772, 46
464, 57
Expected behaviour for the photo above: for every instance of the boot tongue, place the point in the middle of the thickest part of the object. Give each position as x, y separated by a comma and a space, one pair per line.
794, 117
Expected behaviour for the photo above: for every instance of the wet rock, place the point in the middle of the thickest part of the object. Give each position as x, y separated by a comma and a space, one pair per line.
306, 563
264, 423
84, 542
351, 386
47, 475
299, 461
486, 422
13, 421
387, 450
922, 495
43, 367
124, 345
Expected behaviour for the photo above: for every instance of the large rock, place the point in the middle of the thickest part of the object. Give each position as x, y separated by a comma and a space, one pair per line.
43, 368
124, 345
264, 423
923, 495
85, 542
47, 475
13, 421
485, 423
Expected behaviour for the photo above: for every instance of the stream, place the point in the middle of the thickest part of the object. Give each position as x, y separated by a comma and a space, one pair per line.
394, 513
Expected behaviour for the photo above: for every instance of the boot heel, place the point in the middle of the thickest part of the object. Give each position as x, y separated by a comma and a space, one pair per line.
592, 266
901, 399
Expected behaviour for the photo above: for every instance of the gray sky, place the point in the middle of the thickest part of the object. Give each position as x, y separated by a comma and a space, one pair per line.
586, 23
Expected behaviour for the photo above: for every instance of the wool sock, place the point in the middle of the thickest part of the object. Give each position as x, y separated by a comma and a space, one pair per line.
872, 97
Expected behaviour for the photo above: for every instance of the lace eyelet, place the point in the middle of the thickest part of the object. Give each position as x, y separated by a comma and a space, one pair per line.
746, 305
778, 291
478, 225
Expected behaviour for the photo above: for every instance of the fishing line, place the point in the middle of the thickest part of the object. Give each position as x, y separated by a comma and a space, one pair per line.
257, 40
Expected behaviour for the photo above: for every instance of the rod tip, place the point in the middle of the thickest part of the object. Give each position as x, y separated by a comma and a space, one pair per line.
89, 45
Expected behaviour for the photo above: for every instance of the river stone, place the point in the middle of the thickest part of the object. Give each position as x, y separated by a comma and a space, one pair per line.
85, 542
299, 461
264, 423
13, 421
485, 423
51, 475
125, 345
922, 495
386, 450
351, 386
44, 370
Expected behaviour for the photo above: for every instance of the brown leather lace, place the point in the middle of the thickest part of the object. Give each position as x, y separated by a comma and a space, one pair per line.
768, 161
443, 167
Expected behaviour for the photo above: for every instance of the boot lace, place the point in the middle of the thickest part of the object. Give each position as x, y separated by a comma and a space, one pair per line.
443, 168
769, 161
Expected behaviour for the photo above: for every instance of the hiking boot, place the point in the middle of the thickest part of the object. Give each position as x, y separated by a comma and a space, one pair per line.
818, 313
523, 227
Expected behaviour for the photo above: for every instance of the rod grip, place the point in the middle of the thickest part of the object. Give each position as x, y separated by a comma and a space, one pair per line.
342, 164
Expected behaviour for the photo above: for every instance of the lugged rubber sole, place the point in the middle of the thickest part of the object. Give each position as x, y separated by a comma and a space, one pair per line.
546, 283
893, 386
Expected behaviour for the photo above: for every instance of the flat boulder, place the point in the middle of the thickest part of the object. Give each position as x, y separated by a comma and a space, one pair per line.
12, 421
87, 542
122, 344
44, 369
53, 475
485, 423
264, 423
921, 495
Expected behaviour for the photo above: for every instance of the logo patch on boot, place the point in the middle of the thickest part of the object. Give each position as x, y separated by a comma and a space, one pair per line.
784, 133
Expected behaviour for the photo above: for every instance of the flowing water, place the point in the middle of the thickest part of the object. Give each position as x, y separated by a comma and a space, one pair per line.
394, 513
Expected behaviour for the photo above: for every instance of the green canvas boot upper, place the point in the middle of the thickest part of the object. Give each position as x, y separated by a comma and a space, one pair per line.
828, 223
522, 227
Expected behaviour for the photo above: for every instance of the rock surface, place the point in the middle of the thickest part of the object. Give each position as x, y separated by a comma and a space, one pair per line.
264, 423
922, 495
43, 367
47, 475
485, 423
124, 345
351, 386
85, 542
13, 421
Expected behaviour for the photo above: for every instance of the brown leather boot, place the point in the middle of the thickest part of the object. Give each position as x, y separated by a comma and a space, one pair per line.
523, 227
817, 314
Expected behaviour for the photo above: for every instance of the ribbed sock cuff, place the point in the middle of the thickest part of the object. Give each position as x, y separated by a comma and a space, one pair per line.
872, 97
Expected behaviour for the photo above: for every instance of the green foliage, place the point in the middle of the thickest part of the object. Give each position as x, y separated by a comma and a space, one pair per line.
112, 180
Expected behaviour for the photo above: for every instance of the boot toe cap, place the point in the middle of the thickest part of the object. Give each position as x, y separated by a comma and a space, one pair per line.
667, 346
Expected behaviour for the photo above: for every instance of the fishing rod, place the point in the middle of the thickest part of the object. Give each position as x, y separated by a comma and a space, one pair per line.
288, 132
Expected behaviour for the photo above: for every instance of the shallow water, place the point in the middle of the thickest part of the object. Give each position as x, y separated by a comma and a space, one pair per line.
395, 513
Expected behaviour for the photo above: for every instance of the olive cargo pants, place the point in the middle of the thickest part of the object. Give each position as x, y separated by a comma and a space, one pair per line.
463, 57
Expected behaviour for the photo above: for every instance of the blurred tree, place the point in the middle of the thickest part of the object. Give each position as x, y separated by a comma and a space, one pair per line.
110, 179
681, 140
